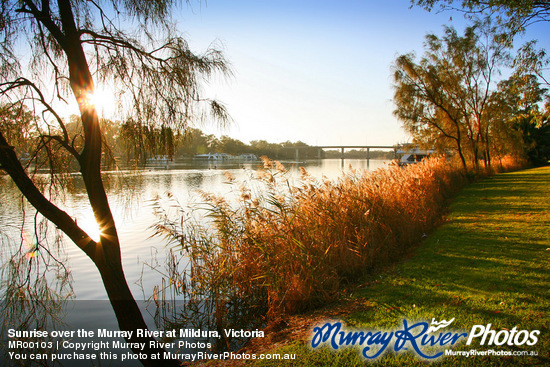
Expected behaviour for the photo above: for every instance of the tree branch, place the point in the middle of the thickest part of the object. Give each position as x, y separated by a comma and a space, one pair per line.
23, 82
10, 163
99, 39
43, 16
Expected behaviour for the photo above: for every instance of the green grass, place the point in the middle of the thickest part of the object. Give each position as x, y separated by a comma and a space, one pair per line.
489, 263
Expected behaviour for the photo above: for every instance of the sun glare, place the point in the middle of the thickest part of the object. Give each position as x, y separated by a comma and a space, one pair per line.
103, 100
92, 99
89, 225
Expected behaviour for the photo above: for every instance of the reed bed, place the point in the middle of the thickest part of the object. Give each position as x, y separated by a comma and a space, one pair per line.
287, 247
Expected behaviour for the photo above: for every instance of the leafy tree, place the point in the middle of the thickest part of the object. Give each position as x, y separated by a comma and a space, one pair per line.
513, 108
535, 134
195, 142
443, 99
16, 121
263, 147
232, 146
516, 15
143, 141
531, 60
72, 47
517, 115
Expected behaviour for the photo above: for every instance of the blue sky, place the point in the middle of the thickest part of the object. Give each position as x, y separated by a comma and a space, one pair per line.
316, 71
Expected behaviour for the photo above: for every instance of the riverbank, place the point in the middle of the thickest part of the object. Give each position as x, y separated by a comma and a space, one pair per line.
488, 264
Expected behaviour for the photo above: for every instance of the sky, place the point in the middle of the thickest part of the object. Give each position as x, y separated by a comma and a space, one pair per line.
316, 71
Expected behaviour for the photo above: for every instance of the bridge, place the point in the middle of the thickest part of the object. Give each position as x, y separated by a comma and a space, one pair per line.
342, 149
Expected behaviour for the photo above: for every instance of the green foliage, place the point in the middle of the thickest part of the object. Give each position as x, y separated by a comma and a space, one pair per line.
535, 133
518, 123
16, 121
516, 15
448, 99
513, 17
137, 142
531, 60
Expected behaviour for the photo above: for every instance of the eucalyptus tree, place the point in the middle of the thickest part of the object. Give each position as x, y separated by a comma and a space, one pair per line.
520, 124
515, 15
55, 51
443, 99
532, 60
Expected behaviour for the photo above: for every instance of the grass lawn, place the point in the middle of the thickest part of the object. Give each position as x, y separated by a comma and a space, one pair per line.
488, 264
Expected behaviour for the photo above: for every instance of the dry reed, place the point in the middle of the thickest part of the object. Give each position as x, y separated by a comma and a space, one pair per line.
286, 248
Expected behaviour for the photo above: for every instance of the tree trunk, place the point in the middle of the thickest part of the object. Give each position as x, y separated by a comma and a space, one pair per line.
459, 143
127, 312
461, 155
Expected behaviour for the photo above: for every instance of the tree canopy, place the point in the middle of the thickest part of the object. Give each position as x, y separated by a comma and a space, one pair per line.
454, 97
515, 14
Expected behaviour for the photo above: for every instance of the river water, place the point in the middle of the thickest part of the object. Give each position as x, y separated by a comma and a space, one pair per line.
131, 196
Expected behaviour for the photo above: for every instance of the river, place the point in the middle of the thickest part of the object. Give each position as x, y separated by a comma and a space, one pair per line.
131, 196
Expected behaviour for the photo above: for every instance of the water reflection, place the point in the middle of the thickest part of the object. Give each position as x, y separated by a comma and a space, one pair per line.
130, 194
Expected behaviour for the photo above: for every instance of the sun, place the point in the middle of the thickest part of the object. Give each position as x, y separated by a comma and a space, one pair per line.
87, 222
93, 99
103, 100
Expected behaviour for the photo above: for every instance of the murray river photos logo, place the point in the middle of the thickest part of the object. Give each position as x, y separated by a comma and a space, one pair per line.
428, 341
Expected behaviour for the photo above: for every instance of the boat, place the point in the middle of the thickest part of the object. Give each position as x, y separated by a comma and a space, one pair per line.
248, 157
214, 157
160, 160
414, 155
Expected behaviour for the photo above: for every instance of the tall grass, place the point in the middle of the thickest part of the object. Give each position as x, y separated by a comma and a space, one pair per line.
287, 247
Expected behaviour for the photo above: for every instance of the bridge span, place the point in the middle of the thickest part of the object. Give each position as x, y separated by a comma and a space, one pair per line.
343, 148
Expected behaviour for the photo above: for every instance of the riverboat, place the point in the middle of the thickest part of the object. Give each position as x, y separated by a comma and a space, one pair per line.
414, 155
160, 160
214, 157
225, 157
248, 157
